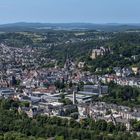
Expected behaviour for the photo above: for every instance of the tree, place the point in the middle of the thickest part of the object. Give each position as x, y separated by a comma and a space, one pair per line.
59, 138
110, 127
101, 125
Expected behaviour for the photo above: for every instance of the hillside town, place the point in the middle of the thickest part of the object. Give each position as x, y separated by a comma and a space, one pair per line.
69, 70
63, 92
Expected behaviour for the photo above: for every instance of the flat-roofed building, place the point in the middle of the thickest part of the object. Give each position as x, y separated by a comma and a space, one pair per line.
7, 92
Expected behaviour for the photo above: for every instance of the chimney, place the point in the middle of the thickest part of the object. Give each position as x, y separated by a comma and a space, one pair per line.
75, 89
100, 88
74, 97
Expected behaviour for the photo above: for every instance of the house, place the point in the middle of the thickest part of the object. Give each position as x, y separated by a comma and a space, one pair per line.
135, 70
30, 111
69, 108
81, 64
126, 72
83, 110
118, 71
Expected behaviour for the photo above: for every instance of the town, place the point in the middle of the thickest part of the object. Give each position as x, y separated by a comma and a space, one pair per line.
69, 70
65, 92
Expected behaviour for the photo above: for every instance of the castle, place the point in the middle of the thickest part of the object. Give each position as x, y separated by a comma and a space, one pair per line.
99, 52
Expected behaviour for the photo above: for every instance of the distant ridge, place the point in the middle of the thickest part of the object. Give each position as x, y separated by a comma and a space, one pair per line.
108, 27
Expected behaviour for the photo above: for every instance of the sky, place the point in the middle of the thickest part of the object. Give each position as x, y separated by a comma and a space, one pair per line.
70, 11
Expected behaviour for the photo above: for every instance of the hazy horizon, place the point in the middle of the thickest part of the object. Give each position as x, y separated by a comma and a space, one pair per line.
70, 11
26, 22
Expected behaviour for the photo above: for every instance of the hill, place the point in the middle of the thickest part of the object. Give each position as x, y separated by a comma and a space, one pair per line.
23, 26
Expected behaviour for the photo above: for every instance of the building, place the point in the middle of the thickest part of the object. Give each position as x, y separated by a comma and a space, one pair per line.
135, 70
80, 98
99, 52
94, 90
7, 93
81, 64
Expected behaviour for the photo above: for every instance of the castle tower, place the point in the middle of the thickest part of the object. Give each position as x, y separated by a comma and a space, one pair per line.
93, 55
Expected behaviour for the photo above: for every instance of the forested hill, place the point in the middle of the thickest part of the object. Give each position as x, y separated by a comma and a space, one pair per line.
125, 46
